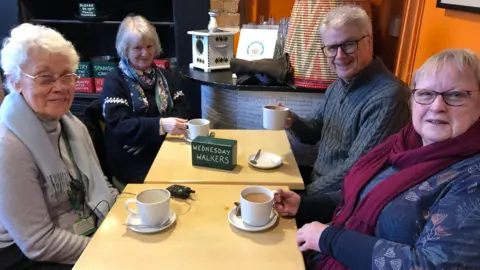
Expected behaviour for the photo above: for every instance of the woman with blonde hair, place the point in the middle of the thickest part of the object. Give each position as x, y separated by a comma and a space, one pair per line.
53, 194
141, 103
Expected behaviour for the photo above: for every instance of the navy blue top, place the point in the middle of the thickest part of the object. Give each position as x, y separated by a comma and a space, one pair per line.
433, 225
134, 128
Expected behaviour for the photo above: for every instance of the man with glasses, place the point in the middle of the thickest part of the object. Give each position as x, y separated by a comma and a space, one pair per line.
364, 106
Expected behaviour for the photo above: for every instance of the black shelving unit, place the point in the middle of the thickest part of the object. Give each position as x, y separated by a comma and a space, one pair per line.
96, 36
87, 95
51, 21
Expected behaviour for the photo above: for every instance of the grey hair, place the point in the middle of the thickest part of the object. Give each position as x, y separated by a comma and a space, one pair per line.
347, 15
460, 57
26, 38
135, 26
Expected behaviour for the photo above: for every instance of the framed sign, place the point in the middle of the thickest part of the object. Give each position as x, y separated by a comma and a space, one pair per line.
87, 9
461, 5
256, 44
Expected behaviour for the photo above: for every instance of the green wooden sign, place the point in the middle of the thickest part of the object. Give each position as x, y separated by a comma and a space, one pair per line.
84, 70
87, 10
101, 69
214, 153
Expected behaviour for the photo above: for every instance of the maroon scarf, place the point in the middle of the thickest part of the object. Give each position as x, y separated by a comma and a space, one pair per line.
416, 163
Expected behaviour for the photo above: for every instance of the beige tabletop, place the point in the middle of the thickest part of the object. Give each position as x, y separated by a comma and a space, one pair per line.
173, 163
200, 238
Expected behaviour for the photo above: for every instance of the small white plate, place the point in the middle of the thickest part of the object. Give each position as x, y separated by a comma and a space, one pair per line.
266, 160
135, 220
187, 139
238, 223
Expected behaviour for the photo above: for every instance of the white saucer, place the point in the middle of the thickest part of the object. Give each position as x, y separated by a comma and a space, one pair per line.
238, 223
135, 220
187, 139
265, 160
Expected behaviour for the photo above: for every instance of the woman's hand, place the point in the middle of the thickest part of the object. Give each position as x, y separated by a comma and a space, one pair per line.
286, 202
308, 237
173, 125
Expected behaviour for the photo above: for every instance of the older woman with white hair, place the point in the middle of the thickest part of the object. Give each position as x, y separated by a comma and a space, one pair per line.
141, 103
53, 193
413, 202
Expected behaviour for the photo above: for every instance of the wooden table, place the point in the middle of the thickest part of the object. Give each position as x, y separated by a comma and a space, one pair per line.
201, 238
173, 163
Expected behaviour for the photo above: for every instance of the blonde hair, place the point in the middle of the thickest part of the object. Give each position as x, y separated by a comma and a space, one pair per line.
460, 57
347, 15
27, 37
135, 26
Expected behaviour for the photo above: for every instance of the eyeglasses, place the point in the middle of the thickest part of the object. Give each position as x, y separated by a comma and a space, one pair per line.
451, 98
49, 80
348, 48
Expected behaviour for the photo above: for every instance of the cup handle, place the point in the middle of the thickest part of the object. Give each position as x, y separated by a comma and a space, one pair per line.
274, 192
129, 201
187, 132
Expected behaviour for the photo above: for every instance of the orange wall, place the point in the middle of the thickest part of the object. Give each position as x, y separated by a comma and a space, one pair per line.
385, 46
442, 29
267, 8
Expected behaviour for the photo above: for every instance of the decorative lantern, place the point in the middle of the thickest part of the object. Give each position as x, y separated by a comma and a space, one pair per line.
211, 50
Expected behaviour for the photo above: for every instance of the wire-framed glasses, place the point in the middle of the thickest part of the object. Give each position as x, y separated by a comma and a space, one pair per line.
45, 80
452, 97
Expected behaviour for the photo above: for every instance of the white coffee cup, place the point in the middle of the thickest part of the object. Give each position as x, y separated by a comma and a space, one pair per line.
197, 127
274, 117
153, 206
256, 212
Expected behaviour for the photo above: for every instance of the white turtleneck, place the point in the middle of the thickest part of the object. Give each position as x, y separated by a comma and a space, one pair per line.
41, 226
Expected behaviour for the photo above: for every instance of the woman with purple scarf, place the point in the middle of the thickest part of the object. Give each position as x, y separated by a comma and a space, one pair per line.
141, 103
413, 202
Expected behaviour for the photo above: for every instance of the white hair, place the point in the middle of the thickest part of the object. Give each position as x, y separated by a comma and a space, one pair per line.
460, 57
347, 15
134, 27
26, 38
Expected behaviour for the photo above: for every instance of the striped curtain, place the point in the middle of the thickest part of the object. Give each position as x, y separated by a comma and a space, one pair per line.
304, 41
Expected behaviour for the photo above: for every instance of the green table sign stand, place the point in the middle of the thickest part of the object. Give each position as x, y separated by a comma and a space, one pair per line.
214, 153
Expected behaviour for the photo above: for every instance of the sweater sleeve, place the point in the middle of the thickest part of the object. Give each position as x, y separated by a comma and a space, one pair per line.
24, 212
308, 131
380, 119
450, 238
318, 207
117, 111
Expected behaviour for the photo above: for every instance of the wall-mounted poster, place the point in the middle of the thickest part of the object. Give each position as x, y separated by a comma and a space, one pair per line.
462, 5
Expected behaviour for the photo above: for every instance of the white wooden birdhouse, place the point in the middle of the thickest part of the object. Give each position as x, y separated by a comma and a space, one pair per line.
211, 50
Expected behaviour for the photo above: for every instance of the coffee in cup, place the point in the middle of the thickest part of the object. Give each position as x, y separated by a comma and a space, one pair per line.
257, 205
153, 206
274, 117
197, 127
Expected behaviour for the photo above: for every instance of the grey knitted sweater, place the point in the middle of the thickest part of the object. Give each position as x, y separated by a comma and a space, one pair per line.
356, 116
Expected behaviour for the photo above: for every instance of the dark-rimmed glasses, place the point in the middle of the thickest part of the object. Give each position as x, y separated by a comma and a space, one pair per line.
348, 48
49, 80
451, 98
